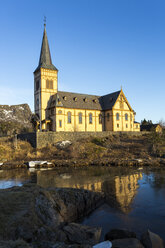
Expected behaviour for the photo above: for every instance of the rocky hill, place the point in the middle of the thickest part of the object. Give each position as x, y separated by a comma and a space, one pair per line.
15, 118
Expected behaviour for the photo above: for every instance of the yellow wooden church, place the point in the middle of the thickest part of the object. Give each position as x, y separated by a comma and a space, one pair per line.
64, 111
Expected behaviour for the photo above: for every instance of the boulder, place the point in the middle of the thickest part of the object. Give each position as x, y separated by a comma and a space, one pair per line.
151, 240
14, 244
119, 234
80, 234
127, 243
63, 144
36, 214
57, 245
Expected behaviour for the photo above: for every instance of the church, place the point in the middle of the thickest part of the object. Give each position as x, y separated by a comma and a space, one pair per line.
74, 112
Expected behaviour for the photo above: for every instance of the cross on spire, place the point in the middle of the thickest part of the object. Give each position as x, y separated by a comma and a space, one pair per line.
44, 21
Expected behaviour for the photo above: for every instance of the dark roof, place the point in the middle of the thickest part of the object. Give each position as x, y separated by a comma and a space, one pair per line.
136, 122
83, 101
148, 127
45, 60
109, 100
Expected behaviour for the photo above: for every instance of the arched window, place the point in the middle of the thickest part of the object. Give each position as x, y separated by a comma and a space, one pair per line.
69, 117
100, 118
80, 118
108, 117
126, 117
60, 123
117, 116
90, 118
49, 84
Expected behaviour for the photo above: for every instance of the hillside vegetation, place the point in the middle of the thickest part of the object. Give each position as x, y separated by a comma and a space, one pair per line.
113, 150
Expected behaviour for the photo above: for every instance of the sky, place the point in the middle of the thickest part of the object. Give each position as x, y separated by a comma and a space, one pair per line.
98, 47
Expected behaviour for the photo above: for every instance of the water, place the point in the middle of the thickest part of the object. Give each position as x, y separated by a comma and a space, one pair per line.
135, 198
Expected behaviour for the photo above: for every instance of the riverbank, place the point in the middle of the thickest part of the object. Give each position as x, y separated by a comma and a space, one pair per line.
43, 217
32, 216
113, 150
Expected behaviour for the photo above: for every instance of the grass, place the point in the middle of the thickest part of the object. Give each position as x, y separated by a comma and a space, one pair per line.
111, 147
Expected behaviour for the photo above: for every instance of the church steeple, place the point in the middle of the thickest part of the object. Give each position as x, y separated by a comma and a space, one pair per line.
45, 82
45, 60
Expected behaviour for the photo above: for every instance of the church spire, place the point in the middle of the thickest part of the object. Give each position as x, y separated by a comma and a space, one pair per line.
45, 60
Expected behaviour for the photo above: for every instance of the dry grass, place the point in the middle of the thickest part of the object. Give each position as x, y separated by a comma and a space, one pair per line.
114, 146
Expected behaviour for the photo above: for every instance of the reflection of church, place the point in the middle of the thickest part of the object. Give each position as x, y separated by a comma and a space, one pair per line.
123, 190
119, 190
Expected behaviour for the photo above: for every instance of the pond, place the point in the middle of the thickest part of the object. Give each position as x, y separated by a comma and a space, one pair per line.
135, 199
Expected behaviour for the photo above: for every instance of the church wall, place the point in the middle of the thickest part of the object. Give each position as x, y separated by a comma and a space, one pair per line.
122, 124
108, 118
42, 95
75, 126
122, 109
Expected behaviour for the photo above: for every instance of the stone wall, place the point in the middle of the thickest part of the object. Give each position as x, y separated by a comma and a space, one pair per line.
30, 137
41, 139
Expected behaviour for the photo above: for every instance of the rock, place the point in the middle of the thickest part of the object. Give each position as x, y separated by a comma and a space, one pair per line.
127, 243
119, 234
105, 244
59, 245
14, 244
151, 240
64, 143
15, 118
32, 164
80, 234
35, 214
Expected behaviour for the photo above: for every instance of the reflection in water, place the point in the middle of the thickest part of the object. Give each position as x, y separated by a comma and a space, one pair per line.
140, 196
11, 178
119, 190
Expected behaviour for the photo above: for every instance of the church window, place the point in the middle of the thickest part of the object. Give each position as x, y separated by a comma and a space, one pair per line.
117, 116
49, 84
108, 117
90, 118
69, 117
80, 118
118, 125
126, 117
100, 118
37, 85
131, 117
126, 125
60, 123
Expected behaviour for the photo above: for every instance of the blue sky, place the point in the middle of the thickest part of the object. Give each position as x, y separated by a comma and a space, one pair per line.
97, 45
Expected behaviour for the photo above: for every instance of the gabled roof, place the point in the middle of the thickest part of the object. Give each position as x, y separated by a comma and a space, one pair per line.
83, 101
45, 60
109, 100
